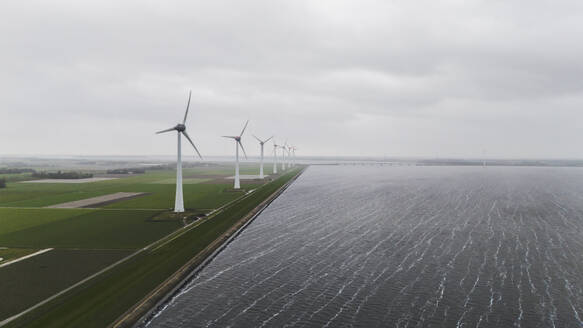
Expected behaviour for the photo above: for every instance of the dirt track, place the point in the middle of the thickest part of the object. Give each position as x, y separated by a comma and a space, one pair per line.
87, 180
97, 200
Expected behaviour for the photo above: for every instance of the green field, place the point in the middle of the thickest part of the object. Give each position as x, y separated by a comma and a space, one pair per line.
197, 195
93, 305
15, 219
86, 240
40, 277
72, 228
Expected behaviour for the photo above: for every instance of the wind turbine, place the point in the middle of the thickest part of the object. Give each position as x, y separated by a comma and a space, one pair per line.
293, 149
261, 165
237, 144
283, 156
275, 145
180, 128
286, 150
289, 156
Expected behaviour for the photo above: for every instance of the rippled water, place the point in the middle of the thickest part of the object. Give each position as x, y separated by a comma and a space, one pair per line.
402, 247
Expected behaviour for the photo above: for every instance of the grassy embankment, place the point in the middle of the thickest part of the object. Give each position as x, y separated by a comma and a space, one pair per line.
102, 300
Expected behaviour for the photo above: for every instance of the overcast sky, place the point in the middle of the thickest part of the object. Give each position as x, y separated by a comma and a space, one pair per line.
397, 78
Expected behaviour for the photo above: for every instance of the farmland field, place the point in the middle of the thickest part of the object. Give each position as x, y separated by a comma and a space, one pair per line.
15, 219
83, 240
88, 229
35, 279
159, 184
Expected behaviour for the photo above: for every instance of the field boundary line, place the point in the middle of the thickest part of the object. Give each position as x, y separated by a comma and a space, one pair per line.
26, 257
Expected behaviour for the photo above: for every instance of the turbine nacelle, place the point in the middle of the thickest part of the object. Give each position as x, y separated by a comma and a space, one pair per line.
180, 127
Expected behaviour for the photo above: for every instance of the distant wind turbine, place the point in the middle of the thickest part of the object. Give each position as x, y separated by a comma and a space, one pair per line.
283, 150
261, 143
275, 145
294, 148
180, 128
286, 150
289, 156
237, 144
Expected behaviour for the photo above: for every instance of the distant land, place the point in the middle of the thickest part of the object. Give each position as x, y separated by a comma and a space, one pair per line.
99, 162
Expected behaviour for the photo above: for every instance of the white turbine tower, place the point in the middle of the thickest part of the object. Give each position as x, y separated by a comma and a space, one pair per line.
262, 143
237, 144
282, 157
293, 148
275, 157
180, 128
289, 156
286, 152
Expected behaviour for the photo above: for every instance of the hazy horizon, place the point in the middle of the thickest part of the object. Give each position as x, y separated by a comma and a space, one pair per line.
269, 158
396, 79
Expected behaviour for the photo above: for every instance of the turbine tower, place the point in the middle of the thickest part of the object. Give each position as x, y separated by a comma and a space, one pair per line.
283, 157
285, 152
289, 157
293, 148
275, 157
237, 144
262, 143
180, 128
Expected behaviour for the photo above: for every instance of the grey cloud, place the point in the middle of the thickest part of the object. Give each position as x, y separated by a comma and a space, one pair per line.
392, 77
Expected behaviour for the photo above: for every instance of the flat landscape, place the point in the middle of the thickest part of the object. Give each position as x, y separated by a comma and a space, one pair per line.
140, 231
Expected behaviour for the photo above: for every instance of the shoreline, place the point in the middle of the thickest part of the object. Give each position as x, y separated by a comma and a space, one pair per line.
148, 307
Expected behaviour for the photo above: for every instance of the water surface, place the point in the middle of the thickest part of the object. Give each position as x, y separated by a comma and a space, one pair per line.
401, 247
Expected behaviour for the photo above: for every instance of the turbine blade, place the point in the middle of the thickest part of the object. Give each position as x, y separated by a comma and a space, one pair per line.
269, 139
192, 143
231, 137
243, 131
187, 106
242, 148
254, 136
167, 130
